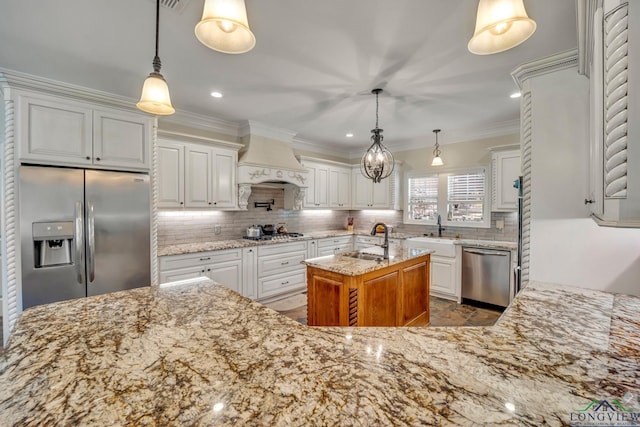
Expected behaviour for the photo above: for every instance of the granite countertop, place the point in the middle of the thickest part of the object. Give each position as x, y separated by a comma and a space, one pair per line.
349, 266
187, 248
200, 354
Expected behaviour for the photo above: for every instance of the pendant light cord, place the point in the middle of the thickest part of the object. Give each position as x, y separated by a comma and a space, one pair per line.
156, 59
377, 109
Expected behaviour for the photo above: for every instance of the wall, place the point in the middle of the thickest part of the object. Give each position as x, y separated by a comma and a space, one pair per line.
193, 226
567, 247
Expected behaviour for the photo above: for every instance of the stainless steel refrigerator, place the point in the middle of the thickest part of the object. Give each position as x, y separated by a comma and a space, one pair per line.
83, 232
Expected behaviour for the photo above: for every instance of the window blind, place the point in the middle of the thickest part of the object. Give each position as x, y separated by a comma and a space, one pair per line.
466, 187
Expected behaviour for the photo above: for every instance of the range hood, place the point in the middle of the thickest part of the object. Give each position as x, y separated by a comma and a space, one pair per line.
268, 158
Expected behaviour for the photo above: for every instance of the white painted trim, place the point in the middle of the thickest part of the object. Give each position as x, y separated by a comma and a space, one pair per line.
202, 122
550, 64
320, 148
154, 204
186, 137
585, 12
251, 127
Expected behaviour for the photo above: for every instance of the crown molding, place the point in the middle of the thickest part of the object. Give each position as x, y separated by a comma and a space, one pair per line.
11, 79
168, 134
585, 12
507, 127
251, 127
320, 148
202, 122
550, 64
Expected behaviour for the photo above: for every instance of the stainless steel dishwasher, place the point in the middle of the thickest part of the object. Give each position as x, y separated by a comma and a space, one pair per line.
485, 275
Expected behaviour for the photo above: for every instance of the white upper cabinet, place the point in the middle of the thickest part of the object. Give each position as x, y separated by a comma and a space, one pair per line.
367, 195
317, 195
121, 140
195, 175
339, 187
329, 184
56, 130
198, 177
505, 169
171, 176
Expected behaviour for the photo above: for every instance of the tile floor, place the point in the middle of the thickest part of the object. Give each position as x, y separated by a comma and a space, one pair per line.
442, 312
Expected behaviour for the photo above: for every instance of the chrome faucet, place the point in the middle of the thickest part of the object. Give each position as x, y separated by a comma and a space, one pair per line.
440, 227
385, 245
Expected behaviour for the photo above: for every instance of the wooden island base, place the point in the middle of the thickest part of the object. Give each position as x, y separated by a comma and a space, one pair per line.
396, 295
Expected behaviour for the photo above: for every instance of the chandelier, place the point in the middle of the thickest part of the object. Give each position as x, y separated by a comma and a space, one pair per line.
377, 162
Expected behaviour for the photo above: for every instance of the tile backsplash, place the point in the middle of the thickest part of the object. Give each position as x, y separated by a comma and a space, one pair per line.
197, 226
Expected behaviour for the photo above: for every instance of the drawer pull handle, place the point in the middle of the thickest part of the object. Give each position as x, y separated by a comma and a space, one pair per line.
205, 259
284, 263
285, 283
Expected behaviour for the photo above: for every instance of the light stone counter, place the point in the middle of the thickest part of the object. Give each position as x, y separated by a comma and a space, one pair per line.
348, 266
187, 248
201, 354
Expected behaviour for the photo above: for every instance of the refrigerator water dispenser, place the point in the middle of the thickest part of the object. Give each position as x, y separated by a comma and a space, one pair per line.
52, 243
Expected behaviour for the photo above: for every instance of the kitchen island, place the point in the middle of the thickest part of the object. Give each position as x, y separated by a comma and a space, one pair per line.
362, 289
200, 354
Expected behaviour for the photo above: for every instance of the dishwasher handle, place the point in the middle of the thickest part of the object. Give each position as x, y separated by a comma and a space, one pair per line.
483, 252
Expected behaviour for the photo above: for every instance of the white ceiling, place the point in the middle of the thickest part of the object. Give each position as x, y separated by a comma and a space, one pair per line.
313, 67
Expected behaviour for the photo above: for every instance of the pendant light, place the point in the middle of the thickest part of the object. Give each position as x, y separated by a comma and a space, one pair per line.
224, 27
500, 25
155, 97
437, 160
377, 162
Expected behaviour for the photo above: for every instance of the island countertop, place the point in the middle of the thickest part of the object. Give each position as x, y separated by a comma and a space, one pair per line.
342, 263
200, 354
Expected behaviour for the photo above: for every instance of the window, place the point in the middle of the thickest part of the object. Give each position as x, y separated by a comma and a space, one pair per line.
466, 197
423, 198
459, 197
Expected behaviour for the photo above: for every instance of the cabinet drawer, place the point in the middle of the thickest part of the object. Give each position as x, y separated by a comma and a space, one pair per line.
282, 283
280, 248
201, 258
181, 274
335, 241
280, 263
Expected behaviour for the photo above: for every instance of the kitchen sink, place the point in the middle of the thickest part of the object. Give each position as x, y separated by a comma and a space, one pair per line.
441, 246
365, 256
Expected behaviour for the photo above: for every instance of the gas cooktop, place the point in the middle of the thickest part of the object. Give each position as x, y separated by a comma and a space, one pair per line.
278, 236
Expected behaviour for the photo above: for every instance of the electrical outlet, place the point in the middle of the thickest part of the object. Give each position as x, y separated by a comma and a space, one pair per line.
500, 224
217, 229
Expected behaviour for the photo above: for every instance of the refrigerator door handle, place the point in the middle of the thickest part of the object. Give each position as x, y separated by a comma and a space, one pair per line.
91, 240
79, 243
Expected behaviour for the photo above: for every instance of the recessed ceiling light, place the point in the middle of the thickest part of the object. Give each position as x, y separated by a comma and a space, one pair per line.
349, 135
515, 95
216, 94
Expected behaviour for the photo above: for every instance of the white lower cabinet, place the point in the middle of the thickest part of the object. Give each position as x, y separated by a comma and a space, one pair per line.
443, 277
280, 269
250, 272
223, 266
333, 245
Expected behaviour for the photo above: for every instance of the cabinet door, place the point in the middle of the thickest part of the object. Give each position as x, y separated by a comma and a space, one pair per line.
443, 276
362, 191
317, 195
506, 169
228, 274
170, 175
121, 140
198, 179
339, 188
249, 273
381, 193
181, 274
54, 131
224, 178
